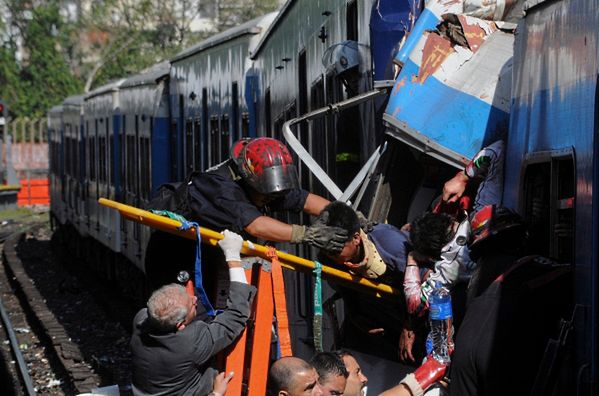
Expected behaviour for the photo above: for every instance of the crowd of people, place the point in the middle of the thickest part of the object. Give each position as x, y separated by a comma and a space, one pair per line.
481, 244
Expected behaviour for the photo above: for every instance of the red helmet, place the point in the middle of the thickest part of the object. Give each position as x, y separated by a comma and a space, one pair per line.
265, 164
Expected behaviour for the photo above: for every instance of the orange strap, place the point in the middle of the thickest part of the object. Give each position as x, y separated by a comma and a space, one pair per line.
278, 285
236, 355
260, 351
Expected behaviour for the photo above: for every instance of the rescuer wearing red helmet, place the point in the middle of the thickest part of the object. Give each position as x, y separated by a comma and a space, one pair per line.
259, 178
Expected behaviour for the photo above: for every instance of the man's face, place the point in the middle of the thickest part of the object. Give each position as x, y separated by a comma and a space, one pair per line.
192, 304
356, 381
350, 251
305, 383
334, 385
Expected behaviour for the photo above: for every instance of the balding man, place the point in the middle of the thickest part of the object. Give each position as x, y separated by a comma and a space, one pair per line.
171, 350
291, 376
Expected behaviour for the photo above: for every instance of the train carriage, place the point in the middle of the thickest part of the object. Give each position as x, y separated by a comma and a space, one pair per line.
207, 86
72, 113
101, 124
140, 150
56, 171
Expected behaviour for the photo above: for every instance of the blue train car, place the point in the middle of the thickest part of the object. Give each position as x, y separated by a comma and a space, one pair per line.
141, 150
553, 164
56, 165
208, 110
72, 114
101, 125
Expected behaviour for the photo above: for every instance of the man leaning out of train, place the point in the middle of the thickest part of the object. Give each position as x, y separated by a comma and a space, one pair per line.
171, 348
239, 194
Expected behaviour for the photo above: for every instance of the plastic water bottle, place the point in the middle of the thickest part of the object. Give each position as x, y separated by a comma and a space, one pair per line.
441, 319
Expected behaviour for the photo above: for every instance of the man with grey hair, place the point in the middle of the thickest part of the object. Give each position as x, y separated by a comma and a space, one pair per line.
171, 351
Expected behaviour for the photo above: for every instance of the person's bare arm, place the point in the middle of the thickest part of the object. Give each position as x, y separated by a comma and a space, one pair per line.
455, 187
265, 227
315, 204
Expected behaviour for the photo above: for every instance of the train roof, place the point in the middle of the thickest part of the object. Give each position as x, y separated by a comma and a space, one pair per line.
251, 27
55, 109
286, 7
148, 76
109, 87
73, 100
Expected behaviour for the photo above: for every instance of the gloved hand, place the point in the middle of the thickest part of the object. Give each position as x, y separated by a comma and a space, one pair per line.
231, 245
320, 235
365, 224
424, 376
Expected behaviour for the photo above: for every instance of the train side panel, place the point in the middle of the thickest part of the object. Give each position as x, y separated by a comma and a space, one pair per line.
143, 123
100, 108
552, 148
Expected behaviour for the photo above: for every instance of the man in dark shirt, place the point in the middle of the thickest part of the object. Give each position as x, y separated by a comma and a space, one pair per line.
372, 325
238, 194
171, 349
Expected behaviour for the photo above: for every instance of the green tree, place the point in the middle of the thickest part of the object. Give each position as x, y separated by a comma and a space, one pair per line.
231, 13
42, 77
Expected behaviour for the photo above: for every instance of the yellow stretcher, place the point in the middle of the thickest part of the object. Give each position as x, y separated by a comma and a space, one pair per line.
251, 249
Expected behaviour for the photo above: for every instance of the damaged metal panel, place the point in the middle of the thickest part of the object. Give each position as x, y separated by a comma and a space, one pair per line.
452, 95
428, 19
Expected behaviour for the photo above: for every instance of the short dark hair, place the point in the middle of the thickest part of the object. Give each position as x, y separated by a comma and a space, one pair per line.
430, 232
343, 352
328, 364
282, 373
343, 216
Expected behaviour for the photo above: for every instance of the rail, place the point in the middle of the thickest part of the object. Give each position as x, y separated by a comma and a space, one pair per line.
16, 351
287, 260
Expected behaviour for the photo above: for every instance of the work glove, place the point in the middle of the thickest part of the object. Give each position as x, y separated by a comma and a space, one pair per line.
365, 224
425, 376
231, 245
329, 238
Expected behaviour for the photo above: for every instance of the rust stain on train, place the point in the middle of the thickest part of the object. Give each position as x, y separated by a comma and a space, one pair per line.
435, 51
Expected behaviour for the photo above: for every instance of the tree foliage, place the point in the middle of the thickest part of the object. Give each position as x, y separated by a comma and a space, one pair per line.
49, 51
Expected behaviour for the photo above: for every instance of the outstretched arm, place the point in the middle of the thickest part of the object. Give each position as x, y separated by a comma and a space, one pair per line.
315, 204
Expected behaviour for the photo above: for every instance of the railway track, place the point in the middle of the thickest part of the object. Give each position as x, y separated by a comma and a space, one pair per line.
65, 322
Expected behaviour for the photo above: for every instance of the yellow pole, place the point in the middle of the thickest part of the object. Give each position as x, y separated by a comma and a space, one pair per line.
249, 249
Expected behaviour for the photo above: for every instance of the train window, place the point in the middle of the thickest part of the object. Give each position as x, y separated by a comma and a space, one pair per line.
245, 124
188, 146
317, 137
214, 132
136, 168
112, 156
145, 167
123, 153
92, 152
131, 163
206, 131
197, 146
224, 137
173, 149
351, 20
267, 113
101, 158
235, 111
548, 200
